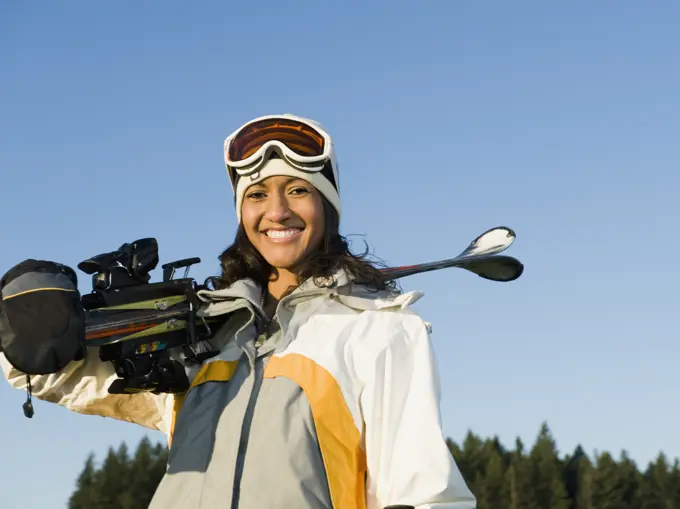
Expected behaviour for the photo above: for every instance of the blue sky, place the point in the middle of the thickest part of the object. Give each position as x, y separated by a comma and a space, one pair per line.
560, 121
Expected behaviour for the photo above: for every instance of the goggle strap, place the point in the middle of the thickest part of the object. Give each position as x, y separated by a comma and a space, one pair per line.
326, 171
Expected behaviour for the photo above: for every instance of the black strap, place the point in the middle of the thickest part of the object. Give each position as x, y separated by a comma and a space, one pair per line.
28, 405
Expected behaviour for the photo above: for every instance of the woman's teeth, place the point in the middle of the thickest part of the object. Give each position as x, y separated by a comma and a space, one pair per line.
282, 234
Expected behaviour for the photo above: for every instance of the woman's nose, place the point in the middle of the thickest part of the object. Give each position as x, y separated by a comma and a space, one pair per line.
278, 209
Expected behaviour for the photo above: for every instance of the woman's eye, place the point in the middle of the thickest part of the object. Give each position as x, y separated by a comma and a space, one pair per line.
256, 195
299, 191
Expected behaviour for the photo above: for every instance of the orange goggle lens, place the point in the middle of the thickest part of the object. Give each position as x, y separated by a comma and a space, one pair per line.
297, 136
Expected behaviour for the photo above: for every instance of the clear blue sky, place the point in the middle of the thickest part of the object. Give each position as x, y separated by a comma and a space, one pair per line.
560, 121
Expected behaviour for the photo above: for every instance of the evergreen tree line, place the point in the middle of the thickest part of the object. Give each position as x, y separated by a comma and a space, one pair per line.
501, 478
122, 481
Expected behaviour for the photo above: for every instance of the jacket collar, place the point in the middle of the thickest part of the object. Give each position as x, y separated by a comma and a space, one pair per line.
250, 291
339, 286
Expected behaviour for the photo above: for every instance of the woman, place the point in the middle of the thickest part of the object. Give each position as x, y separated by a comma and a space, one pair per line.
324, 393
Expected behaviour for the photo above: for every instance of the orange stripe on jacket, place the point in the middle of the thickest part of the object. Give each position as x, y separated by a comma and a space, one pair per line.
216, 371
339, 438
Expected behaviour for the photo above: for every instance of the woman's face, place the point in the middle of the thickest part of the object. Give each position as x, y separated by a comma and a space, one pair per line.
283, 218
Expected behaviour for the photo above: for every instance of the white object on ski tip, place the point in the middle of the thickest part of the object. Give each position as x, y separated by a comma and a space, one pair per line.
480, 257
491, 242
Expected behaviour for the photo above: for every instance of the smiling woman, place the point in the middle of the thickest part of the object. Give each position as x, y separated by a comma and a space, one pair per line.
289, 232
334, 388
324, 390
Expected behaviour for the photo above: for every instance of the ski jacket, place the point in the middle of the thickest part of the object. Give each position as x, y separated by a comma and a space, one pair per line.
338, 410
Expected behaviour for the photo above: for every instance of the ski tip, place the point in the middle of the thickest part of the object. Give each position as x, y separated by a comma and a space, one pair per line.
500, 231
499, 237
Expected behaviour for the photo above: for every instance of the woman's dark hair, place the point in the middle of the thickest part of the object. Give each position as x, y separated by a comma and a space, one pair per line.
241, 259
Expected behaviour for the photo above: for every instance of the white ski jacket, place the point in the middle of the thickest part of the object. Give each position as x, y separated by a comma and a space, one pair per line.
338, 410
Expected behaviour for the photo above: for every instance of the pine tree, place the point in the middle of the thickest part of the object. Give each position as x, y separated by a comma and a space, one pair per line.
145, 474
517, 479
629, 478
86, 494
674, 482
113, 477
615, 484
656, 491
160, 462
490, 494
126, 498
472, 461
547, 485
572, 475
584, 495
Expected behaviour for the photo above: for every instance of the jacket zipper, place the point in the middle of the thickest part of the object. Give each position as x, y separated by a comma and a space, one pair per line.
258, 374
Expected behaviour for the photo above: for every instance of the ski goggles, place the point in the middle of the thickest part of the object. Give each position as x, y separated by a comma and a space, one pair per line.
301, 142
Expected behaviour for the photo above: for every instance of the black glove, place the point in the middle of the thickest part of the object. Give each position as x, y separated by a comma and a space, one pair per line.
42, 322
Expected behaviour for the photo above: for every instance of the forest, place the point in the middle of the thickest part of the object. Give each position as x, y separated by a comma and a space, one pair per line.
501, 477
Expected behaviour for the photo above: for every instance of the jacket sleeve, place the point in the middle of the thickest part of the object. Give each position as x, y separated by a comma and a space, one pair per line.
82, 387
408, 461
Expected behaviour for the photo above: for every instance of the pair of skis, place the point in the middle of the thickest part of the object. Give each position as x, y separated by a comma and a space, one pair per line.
481, 257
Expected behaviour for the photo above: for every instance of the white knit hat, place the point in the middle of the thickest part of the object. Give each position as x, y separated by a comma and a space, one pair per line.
325, 181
